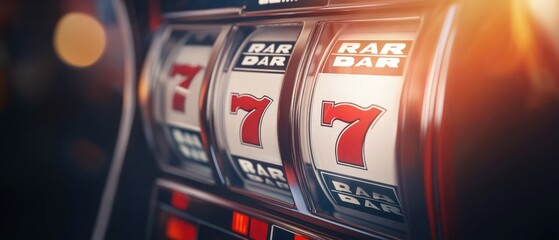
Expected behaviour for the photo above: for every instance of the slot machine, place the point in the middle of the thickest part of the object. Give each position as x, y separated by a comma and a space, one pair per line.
341, 119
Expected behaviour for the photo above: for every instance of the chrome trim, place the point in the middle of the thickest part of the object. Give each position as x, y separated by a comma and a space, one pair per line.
287, 106
210, 118
146, 86
301, 93
331, 7
299, 190
128, 107
429, 103
205, 100
434, 103
344, 4
205, 14
413, 132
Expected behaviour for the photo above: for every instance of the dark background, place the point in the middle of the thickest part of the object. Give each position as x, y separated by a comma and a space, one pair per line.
58, 123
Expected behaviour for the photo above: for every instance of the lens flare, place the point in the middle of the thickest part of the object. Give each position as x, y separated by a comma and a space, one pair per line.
79, 39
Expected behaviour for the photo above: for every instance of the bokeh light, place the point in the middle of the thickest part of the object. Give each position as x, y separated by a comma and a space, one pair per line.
79, 39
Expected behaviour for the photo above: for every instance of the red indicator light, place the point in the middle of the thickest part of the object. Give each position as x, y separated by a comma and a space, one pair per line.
297, 237
258, 229
178, 229
240, 223
154, 15
179, 200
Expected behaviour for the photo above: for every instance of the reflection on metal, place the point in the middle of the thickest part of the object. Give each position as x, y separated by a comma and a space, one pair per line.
201, 14
127, 116
432, 115
524, 32
79, 39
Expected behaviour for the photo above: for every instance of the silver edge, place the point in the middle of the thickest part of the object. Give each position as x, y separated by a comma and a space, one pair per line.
434, 94
287, 97
300, 102
208, 13
439, 104
221, 13
148, 72
443, 73
205, 101
128, 105
212, 115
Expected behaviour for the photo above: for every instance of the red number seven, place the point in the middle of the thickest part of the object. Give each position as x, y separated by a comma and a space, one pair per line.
250, 126
179, 99
350, 142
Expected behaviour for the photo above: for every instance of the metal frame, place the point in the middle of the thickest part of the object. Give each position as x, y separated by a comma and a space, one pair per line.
126, 120
333, 6
288, 115
414, 146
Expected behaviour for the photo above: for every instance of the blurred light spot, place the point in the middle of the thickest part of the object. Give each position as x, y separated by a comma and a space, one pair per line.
522, 31
545, 12
79, 39
143, 88
154, 15
542, 81
180, 200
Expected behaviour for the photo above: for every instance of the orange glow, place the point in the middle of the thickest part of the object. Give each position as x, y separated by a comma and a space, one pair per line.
79, 39
511, 34
297, 237
143, 88
541, 79
522, 31
178, 229
240, 223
